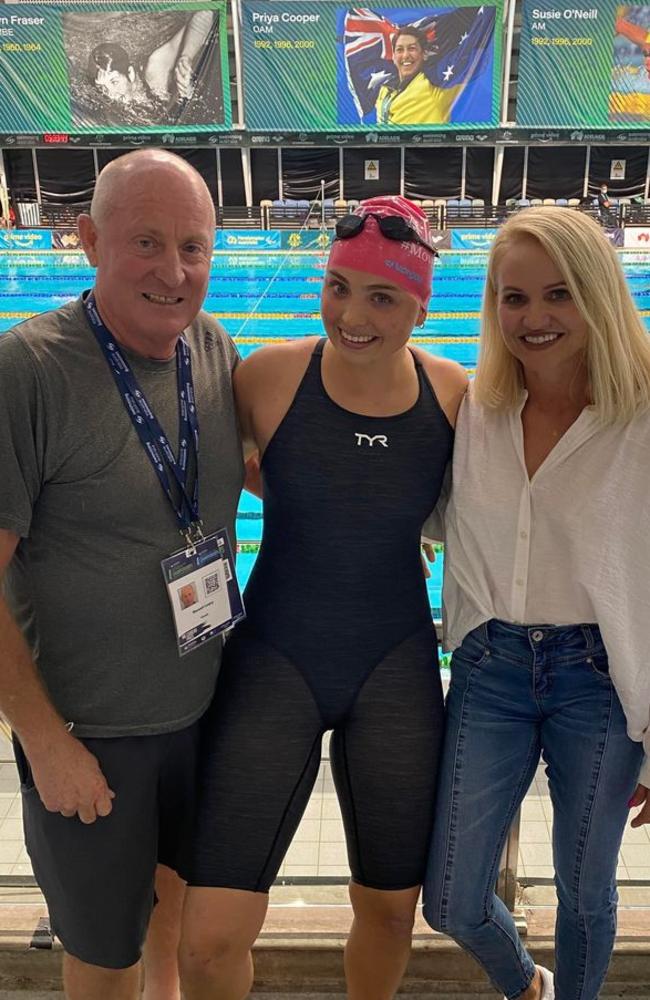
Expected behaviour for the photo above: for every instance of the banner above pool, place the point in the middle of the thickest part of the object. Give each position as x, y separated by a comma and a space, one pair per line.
586, 67
271, 239
25, 239
327, 65
106, 67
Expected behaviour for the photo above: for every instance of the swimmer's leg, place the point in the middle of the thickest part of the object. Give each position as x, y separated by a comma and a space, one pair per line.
260, 761
385, 761
379, 945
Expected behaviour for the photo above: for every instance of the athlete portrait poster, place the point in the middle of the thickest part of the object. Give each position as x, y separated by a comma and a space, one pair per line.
80, 67
630, 90
584, 66
330, 65
398, 67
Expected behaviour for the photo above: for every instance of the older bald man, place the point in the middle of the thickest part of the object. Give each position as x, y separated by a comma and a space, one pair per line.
103, 707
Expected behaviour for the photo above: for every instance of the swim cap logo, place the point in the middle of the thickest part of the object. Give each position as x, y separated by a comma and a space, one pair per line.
406, 271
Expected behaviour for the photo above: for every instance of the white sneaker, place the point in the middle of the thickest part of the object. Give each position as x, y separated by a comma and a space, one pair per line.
548, 985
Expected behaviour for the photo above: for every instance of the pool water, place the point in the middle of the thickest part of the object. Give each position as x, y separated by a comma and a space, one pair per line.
261, 297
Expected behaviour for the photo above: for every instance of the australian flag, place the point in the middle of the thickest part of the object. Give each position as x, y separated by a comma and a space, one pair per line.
460, 48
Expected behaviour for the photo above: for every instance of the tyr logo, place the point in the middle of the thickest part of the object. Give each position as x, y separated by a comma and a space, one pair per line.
381, 438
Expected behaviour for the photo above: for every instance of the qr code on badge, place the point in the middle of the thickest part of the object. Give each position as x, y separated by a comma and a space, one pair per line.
211, 583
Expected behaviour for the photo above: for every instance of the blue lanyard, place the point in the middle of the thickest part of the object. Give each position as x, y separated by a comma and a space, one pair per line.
151, 435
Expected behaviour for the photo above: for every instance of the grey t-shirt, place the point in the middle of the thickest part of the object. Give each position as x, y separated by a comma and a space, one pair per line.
85, 583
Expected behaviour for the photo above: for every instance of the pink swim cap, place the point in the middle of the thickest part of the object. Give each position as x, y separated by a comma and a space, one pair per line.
402, 262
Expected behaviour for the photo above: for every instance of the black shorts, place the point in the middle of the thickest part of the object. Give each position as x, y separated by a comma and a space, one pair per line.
98, 879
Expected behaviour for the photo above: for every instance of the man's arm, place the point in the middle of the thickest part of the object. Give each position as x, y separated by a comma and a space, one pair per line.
66, 775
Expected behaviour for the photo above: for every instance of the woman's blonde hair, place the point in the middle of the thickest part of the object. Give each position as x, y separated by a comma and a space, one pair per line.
618, 347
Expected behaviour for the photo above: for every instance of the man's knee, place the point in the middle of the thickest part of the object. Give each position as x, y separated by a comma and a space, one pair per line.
83, 980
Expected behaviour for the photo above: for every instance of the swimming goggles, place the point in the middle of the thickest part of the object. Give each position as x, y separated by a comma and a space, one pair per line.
393, 227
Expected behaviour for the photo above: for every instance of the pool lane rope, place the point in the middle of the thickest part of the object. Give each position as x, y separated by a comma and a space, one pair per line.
247, 317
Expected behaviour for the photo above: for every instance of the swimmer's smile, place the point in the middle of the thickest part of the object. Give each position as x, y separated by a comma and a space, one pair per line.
162, 300
356, 342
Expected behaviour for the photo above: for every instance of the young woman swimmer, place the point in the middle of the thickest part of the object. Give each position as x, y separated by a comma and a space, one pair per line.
355, 431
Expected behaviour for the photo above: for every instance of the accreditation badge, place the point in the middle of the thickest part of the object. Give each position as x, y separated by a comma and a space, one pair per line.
203, 590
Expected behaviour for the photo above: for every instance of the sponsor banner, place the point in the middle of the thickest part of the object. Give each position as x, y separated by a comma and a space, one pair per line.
25, 239
615, 237
307, 239
441, 239
100, 67
587, 66
401, 66
472, 239
272, 239
637, 236
247, 239
485, 137
65, 239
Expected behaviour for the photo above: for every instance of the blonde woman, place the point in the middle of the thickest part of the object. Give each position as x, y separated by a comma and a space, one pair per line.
546, 597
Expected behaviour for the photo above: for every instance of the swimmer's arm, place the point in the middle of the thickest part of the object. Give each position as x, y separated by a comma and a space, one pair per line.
448, 379
265, 383
433, 529
634, 32
250, 388
194, 38
196, 34
241, 381
243, 390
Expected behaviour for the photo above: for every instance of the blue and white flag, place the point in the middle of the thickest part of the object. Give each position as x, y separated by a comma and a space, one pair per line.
459, 49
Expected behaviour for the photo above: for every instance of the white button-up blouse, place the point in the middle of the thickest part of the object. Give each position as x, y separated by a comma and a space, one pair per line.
569, 546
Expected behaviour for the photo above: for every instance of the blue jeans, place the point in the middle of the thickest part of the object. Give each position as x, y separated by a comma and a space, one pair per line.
515, 691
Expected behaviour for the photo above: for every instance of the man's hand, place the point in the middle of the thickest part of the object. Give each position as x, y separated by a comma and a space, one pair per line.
184, 77
641, 797
69, 780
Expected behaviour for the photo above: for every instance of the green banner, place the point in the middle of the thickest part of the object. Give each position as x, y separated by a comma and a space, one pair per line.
316, 66
587, 67
102, 67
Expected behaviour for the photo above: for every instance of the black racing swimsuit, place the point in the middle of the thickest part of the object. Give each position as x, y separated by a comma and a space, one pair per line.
338, 636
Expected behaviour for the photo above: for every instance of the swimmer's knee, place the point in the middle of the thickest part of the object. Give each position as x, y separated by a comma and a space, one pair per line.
390, 912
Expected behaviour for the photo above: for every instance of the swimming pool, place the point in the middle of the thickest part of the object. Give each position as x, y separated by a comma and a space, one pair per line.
260, 297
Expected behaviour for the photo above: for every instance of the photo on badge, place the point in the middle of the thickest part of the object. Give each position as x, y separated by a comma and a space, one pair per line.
187, 595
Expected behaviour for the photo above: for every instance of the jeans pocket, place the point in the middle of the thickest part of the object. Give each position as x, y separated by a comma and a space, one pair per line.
471, 653
599, 663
